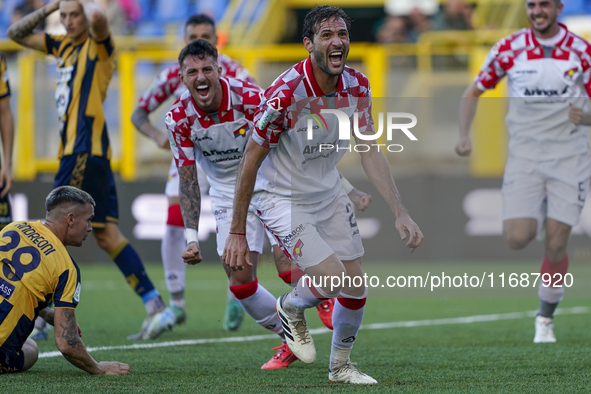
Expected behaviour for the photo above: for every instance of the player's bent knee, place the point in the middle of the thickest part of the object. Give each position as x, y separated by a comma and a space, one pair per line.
31, 352
518, 240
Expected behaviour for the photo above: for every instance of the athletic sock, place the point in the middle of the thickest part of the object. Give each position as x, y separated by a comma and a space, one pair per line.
173, 245
178, 299
547, 309
347, 316
292, 277
548, 292
131, 266
304, 295
259, 304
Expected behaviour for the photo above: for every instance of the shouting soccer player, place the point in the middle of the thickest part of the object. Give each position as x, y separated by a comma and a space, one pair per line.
297, 192
549, 166
50, 275
168, 84
86, 61
210, 125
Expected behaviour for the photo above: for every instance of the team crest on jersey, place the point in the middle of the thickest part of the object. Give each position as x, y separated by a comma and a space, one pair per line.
241, 132
569, 74
297, 250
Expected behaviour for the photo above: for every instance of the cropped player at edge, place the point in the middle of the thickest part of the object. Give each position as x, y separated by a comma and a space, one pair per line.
86, 61
7, 134
36, 270
547, 174
297, 192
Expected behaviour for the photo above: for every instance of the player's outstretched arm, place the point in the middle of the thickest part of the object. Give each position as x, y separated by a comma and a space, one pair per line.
67, 340
22, 30
236, 250
97, 18
467, 111
376, 167
190, 201
7, 134
141, 121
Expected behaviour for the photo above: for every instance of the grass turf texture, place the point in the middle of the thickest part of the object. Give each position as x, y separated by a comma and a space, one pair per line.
481, 357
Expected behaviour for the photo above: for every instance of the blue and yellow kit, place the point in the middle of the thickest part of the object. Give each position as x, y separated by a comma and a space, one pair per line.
84, 71
35, 269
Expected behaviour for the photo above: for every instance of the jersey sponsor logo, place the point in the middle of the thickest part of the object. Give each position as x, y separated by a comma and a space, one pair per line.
6, 289
297, 250
544, 92
294, 233
77, 293
214, 152
569, 74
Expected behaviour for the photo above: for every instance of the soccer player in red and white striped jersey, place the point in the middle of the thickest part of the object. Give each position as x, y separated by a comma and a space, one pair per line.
297, 191
548, 69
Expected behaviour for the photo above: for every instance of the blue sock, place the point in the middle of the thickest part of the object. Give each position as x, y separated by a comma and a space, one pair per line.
131, 266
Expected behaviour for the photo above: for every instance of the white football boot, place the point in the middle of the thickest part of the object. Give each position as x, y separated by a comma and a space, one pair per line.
544, 330
349, 374
160, 322
297, 335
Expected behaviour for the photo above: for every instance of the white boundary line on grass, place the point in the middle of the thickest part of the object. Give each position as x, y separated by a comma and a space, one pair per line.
375, 326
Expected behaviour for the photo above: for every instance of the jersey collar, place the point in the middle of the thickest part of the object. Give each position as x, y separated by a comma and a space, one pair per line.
535, 42
226, 100
316, 91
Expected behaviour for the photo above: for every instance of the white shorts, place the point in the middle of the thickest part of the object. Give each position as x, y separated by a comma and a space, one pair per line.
565, 183
310, 233
255, 232
172, 183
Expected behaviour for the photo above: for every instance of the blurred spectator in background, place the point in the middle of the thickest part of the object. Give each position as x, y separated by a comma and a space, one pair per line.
26, 7
122, 15
455, 15
406, 20
394, 29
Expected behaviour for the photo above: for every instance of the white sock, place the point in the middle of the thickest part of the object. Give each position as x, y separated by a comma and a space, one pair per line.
346, 323
173, 246
302, 296
261, 307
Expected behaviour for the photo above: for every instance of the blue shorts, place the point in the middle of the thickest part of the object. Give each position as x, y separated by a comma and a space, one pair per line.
93, 175
9, 363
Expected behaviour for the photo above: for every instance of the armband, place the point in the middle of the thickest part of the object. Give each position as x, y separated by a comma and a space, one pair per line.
191, 235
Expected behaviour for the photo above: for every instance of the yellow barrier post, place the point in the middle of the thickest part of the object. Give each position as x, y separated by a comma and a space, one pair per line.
126, 90
25, 168
489, 133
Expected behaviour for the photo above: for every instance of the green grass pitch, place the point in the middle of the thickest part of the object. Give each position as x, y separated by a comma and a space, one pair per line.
494, 356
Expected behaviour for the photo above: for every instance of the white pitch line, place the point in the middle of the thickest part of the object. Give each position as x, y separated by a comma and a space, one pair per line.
315, 331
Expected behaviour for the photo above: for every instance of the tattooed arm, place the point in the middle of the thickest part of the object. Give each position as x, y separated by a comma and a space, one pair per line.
22, 30
69, 343
190, 201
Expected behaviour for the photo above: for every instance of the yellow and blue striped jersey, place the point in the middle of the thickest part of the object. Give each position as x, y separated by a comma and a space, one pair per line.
35, 269
4, 85
84, 71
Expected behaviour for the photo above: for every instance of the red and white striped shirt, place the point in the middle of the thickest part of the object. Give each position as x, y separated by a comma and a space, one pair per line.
297, 167
215, 140
543, 81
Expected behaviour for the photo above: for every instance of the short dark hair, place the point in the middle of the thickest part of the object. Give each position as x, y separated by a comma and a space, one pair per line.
200, 48
67, 195
319, 14
200, 19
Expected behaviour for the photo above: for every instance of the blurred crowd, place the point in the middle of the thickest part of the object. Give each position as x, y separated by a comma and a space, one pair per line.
407, 19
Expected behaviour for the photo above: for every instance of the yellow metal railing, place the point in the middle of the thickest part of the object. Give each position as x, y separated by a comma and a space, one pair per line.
375, 59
